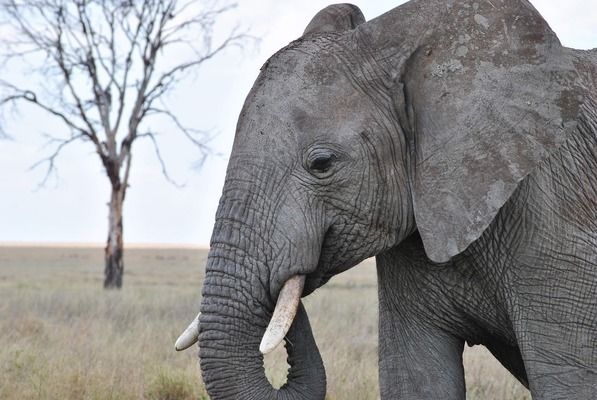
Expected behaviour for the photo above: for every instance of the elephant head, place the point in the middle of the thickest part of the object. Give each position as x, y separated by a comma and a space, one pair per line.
353, 137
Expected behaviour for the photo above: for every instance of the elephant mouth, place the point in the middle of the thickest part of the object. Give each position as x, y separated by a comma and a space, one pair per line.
315, 280
312, 282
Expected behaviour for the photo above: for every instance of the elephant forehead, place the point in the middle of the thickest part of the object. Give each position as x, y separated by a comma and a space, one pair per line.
301, 101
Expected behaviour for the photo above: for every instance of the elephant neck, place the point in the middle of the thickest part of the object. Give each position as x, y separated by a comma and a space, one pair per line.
563, 183
553, 204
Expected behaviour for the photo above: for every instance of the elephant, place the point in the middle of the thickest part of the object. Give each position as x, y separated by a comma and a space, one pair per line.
456, 142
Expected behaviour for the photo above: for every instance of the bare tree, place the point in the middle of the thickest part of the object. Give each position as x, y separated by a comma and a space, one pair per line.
106, 66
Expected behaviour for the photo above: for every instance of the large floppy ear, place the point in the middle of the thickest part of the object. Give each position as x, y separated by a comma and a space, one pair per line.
335, 18
490, 94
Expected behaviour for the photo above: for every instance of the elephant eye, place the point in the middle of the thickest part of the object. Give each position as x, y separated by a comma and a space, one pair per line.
322, 163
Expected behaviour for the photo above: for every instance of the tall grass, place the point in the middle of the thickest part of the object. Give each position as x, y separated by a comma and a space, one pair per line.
63, 337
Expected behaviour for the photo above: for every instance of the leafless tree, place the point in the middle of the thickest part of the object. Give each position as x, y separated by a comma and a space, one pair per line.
106, 66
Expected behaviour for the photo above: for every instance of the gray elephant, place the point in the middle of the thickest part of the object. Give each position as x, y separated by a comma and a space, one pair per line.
454, 140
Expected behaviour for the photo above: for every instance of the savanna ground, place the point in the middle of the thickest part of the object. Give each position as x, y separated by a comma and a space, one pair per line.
64, 337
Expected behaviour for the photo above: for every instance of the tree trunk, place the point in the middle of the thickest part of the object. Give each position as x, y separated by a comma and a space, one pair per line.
114, 248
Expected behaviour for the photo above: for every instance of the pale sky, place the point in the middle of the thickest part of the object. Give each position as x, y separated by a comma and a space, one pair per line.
73, 209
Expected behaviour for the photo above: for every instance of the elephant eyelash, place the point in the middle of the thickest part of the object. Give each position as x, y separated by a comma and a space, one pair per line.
322, 163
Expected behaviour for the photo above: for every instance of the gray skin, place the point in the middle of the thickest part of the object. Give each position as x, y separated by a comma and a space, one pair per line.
455, 141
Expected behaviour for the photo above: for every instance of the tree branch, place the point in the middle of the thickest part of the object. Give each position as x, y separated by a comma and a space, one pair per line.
169, 78
51, 159
160, 159
191, 134
100, 63
31, 98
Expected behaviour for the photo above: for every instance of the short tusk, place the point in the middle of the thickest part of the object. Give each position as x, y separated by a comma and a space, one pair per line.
189, 337
284, 313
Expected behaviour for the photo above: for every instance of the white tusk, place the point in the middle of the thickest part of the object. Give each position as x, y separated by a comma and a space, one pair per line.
189, 337
284, 313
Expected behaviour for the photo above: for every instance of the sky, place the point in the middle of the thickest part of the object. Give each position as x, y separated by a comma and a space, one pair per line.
73, 207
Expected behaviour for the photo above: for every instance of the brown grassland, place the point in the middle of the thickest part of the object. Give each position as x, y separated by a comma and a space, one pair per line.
64, 337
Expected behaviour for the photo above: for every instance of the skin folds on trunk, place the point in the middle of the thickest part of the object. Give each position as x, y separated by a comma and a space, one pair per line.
232, 323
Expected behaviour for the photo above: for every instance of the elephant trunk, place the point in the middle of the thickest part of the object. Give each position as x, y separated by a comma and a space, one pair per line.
235, 311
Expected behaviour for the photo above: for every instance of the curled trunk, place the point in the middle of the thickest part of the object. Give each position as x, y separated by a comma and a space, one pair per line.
232, 322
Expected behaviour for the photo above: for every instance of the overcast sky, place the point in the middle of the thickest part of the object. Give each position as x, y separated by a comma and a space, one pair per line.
73, 209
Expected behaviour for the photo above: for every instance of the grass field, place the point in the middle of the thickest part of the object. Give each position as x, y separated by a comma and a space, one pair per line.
63, 337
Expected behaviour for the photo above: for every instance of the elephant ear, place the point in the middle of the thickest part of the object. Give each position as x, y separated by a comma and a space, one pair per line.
491, 95
335, 18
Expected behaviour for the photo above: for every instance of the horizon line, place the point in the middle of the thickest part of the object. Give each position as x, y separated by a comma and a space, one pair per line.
127, 245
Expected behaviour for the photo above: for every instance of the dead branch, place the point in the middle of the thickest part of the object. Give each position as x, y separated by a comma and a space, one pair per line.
50, 161
158, 155
99, 63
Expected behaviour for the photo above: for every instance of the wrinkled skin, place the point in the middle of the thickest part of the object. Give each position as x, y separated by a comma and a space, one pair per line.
454, 141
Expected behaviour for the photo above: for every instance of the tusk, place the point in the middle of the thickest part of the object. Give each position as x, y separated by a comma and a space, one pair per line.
286, 306
189, 337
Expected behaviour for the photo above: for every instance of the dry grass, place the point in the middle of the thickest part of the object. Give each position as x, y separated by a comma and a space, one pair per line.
63, 337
